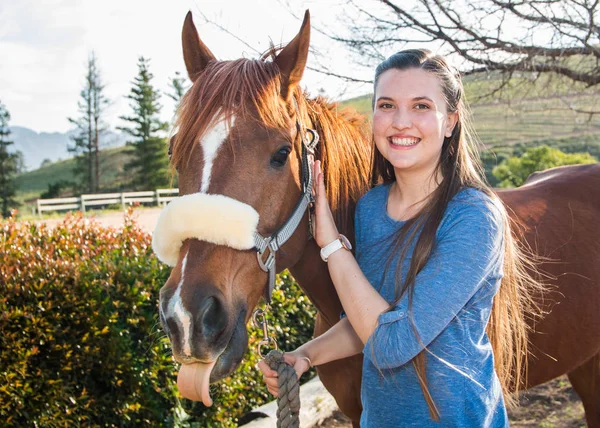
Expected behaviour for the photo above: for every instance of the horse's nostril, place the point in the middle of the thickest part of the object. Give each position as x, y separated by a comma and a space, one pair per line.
209, 311
212, 316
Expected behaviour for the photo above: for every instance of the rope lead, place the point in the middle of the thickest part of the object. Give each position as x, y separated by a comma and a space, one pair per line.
288, 402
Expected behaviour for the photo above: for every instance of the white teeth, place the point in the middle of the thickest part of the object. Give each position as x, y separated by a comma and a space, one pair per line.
405, 141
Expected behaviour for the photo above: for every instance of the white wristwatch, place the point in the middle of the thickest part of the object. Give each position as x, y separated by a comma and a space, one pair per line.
329, 249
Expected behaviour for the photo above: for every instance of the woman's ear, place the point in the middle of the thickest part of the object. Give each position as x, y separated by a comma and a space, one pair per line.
451, 123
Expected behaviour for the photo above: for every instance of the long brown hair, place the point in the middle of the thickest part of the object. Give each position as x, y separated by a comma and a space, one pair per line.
460, 168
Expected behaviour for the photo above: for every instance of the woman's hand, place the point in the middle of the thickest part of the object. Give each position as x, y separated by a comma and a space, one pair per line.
325, 229
297, 359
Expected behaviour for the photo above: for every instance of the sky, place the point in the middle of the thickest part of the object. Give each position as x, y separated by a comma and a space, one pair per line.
44, 46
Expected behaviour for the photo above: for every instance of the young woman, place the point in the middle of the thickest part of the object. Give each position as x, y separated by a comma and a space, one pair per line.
432, 295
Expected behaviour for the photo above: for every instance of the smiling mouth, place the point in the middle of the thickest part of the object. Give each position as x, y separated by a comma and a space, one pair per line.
404, 142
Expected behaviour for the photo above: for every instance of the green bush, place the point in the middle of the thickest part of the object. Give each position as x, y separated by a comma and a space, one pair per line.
80, 343
497, 155
514, 171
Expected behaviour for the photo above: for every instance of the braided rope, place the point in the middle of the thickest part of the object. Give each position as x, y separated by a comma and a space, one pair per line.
288, 402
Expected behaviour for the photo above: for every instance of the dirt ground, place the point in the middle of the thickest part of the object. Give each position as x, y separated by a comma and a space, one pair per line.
552, 405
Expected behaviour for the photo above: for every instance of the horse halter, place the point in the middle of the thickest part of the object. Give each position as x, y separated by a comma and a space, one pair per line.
274, 242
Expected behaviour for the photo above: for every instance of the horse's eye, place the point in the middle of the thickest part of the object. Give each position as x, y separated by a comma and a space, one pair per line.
280, 158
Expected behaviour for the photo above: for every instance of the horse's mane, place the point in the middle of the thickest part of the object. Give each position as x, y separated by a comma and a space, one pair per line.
251, 88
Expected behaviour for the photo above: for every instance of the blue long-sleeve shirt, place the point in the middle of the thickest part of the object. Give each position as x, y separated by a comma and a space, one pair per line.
451, 307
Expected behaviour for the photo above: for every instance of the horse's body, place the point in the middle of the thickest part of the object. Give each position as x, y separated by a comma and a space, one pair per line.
560, 210
212, 290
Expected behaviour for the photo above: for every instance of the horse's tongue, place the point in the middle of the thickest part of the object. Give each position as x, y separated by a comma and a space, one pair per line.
193, 381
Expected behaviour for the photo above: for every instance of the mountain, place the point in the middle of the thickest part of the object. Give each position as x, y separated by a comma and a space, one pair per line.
37, 147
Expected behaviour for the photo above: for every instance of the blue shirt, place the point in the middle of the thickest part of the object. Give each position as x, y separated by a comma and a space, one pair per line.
451, 307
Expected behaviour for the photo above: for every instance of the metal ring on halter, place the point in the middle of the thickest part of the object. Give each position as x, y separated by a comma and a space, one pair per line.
266, 342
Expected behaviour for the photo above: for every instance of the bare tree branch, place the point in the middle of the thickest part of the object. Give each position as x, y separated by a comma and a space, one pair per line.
327, 72
539, 36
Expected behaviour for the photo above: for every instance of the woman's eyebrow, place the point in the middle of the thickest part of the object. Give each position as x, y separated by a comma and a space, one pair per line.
414, 99
423, 98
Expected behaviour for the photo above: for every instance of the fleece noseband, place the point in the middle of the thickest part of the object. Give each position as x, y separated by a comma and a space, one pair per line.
216, 219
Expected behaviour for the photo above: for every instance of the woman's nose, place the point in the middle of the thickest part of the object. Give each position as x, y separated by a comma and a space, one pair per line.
401, 119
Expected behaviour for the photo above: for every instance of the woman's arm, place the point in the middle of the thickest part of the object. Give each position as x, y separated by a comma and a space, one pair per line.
361, 302
340, 341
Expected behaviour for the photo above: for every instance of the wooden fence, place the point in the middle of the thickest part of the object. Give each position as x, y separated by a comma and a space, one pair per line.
159, 197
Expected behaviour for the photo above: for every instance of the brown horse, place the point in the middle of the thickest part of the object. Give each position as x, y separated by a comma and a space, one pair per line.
239, 136
559, 210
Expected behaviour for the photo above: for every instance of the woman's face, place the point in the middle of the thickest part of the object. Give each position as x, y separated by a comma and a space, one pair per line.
410, 120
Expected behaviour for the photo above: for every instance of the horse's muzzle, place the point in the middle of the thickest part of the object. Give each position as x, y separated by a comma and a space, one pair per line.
204, 330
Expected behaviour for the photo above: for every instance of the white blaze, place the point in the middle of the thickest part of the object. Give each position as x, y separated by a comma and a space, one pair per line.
210, 146
180, 314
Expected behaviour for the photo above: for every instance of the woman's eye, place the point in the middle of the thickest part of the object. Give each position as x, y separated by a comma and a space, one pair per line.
280, 158
422, 107
385, 106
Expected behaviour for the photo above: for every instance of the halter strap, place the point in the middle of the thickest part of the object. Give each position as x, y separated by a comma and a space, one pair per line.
277, 239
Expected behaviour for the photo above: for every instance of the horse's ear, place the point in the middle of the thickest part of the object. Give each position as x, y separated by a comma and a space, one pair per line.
195, 53
292, 59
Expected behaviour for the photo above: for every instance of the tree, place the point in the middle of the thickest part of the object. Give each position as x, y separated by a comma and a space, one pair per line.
514, 171
505, 36
8, 165
179, 86
20, 162
89, 128
149, 166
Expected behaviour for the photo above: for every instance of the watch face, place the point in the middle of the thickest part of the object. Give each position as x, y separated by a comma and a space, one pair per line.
347, 245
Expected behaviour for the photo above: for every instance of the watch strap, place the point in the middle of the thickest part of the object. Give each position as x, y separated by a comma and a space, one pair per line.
331, 248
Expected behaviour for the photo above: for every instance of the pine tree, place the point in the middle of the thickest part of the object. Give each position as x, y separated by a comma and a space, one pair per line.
90, 127
179, 86
149, 167
8, 165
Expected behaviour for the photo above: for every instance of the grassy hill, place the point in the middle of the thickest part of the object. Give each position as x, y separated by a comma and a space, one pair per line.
112, 166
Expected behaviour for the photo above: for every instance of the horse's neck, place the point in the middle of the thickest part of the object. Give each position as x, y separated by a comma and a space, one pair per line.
312, 275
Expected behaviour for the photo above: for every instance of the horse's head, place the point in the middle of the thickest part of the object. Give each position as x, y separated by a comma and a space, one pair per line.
238, 154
